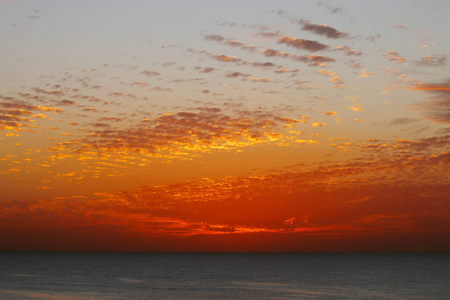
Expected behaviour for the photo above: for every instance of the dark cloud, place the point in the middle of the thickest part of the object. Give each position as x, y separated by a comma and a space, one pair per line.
214, 38
65, 102
297, 43
324, 30
309, 45
316, 60
260, 64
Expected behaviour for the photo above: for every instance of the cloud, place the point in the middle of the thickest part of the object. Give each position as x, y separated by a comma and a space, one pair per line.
320, 29
309, 45
205, 70
225, 58
65, 102
336, 80
339, 200
433, 61
48, 92
316, 60
160, 89
270, 36
356, 107
234, 43
313, 60
324, 30
273, 52
260, 64
236, 74
365, 73
438, 106
348, 51
139, 83
399, 25
197, 131
214, 38
150, 73
286, 71
331, 9
394, 56
403, 121
262, 80
326, 72
30, 107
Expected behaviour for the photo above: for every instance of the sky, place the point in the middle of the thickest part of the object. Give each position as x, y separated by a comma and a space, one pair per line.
224, 126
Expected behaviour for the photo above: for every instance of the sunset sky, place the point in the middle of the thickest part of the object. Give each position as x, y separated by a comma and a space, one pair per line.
224, 125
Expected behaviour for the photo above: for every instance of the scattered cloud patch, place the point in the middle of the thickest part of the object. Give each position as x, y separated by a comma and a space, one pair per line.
394, 56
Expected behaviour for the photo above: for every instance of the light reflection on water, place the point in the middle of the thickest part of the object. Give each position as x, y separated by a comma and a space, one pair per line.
112, 276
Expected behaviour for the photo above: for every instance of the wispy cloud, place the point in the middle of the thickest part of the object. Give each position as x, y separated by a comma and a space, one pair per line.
437, 108
433, 61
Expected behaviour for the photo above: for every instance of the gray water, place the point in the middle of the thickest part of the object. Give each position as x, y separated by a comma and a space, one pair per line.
223, 276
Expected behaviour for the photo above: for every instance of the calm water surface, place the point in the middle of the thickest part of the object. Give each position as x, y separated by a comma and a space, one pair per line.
223, 276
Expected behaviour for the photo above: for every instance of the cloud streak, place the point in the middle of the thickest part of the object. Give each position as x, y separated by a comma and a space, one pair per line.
438, 106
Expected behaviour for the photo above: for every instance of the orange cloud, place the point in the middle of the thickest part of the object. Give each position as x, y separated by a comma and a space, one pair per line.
348, 51
356, 107
365, 73
394, 56
344, 201
336, 80
226, 58
326, 72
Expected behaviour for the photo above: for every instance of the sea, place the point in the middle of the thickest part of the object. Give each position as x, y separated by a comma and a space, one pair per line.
69, 276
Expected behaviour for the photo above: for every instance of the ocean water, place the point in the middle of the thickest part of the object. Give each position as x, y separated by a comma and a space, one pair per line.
68, 276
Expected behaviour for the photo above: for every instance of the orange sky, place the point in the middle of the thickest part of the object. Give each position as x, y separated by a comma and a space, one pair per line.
173, 127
